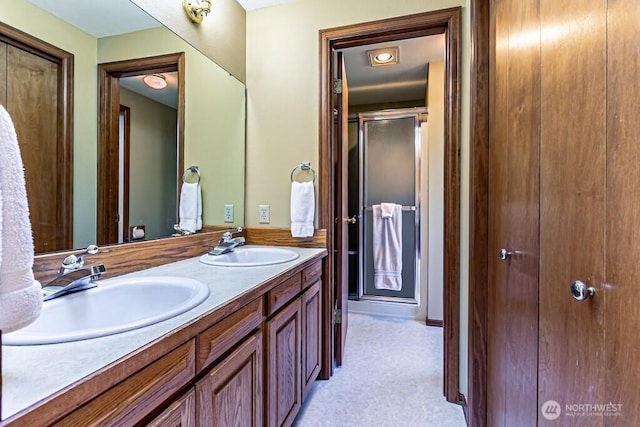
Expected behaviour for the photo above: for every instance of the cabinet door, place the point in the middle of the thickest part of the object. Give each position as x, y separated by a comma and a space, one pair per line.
231, 394
311, 344
284, 378
181, 413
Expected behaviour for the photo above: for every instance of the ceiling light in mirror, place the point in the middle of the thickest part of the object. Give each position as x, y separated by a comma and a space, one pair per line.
155, 81
384, 56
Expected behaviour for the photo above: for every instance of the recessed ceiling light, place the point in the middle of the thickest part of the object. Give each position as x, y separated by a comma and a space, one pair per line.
155, 81
384, 56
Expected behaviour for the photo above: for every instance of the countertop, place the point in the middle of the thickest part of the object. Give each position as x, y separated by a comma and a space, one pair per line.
33, 373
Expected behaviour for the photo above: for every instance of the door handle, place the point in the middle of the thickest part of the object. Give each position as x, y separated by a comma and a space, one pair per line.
504, 254
581, 292
351, 220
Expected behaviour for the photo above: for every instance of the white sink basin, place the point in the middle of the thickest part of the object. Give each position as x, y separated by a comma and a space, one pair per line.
116, 305
251, 257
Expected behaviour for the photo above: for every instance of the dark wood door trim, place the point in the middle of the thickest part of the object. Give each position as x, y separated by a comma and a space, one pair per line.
478, 214
444, 21
126, 112
64, 137
108, 116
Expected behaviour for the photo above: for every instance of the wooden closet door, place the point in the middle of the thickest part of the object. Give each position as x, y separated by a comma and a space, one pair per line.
572, 206
514, 221
622, 299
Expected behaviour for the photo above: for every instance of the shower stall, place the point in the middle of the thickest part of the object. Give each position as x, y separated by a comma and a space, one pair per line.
388, 171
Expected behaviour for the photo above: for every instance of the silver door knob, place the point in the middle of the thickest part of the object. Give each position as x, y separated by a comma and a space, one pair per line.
504, 254
580, 291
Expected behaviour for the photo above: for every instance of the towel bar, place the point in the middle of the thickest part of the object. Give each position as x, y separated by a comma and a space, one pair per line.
191, 170
404, 208
304, 166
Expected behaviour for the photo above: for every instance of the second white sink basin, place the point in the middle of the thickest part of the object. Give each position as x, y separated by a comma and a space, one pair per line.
116, 305
251, 256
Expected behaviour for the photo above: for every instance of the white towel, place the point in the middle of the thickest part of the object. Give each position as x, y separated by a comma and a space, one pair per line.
190, 210
20, 293
303, 207
387, 246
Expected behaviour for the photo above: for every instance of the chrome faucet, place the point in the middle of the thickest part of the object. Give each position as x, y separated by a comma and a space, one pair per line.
227, 243
73, 276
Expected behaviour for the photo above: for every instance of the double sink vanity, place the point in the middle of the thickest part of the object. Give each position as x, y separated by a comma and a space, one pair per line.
199, 340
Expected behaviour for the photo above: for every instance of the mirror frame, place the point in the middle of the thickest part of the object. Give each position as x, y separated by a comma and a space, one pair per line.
108, 115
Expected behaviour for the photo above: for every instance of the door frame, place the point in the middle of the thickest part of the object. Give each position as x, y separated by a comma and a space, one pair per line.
480, 78
108, 119
447, 21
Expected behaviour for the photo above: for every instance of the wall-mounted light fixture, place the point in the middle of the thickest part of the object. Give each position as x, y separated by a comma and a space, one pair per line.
384, 56
197, 10
155, 81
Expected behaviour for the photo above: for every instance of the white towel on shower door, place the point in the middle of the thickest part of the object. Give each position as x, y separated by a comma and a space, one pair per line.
387, 246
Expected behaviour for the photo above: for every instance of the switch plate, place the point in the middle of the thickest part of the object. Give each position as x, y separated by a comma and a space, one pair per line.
228, 213
264, 214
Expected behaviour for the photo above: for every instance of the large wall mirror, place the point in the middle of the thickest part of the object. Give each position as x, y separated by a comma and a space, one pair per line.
210, 134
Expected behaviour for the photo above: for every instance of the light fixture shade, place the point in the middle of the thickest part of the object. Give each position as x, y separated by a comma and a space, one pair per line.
155, 81
384, 56
198, 10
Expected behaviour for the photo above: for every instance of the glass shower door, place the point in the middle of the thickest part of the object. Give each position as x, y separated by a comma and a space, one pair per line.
390, 161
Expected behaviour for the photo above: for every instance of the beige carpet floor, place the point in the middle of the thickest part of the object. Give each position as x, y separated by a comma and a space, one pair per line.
392, 376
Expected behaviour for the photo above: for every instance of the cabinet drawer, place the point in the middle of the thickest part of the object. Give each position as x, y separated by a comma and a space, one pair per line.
283, 293
134, 398
311, 274
181, 413
221, 337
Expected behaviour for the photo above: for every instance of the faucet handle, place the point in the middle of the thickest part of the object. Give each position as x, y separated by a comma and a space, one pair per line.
74, 262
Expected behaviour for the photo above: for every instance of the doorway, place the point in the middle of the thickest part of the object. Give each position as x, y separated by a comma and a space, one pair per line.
445, 22
117, 85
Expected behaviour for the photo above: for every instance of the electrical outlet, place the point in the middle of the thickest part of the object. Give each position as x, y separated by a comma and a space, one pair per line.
264, 214
228, 213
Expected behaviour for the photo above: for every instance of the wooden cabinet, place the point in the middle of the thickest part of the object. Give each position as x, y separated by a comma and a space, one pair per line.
311, 336
181, 413
250, 363
138, 396
231, 393
293, 342
284, 392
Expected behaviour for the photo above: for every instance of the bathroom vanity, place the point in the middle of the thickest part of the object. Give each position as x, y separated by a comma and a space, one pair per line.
247, 356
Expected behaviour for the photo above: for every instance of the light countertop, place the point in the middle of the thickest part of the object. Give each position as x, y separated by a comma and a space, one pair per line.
32, 373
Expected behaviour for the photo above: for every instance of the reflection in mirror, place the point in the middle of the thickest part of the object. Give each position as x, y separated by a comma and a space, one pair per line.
214, 116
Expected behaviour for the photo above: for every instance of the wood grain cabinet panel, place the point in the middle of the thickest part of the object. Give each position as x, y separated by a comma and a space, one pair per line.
221, 337
279, 296
311, 274
136, 397
311, 336
181, 413
231, 394
284, 389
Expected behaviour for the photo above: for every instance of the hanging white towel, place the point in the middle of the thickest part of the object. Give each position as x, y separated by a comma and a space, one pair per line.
303, 206
190, 210
387, 246
20, 293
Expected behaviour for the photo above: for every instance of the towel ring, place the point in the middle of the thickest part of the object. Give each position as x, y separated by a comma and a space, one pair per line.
188, 175
304, 166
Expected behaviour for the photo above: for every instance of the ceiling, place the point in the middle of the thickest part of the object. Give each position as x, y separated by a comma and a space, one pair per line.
404, 81
110, 18
259, 4
367, 85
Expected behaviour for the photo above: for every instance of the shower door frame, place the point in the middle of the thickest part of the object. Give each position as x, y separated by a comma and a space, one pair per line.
419, 114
